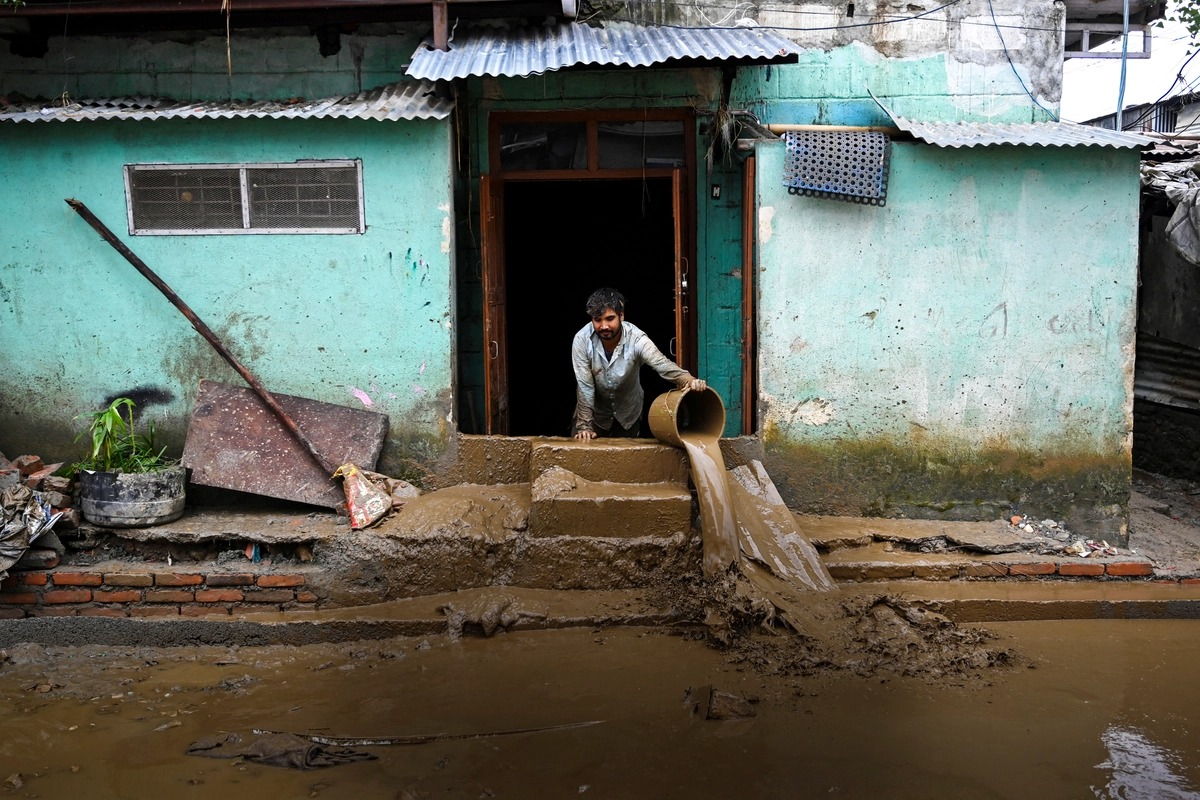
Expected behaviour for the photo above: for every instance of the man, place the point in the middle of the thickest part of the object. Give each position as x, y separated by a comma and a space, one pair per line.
607, 355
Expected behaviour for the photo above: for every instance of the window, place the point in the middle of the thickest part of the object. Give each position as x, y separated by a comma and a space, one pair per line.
198, 199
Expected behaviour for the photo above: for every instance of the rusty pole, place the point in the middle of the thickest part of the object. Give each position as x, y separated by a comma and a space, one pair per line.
203, 330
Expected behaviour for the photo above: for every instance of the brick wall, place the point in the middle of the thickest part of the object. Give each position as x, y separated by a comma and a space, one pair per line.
150, 593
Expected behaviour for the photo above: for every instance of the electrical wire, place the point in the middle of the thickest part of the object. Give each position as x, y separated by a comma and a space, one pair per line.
1020, 80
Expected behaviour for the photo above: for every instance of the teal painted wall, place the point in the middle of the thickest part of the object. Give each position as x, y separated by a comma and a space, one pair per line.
964, 350
261, 64
325, 317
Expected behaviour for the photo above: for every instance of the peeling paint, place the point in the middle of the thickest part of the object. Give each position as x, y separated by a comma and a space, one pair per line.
814, 412
362, 396
765, 230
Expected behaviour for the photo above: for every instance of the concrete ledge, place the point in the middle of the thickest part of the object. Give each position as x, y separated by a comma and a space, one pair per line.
615, 460
419, 616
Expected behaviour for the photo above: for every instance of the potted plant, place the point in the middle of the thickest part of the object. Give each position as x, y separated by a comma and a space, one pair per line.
125, 481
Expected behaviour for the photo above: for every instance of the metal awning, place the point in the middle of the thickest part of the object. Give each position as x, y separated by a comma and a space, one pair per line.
520, 52
397, 101
1044, 134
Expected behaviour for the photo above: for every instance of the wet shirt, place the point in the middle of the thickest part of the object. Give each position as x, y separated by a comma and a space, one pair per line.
607, 387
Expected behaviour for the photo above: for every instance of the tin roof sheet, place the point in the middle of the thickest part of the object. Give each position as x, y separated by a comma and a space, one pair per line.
397, 101
1045, 134
520, 52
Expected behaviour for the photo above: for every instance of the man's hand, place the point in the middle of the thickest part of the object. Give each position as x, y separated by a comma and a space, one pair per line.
585, 435
697, 385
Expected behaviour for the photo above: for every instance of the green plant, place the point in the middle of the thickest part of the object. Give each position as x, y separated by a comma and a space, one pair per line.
116, 446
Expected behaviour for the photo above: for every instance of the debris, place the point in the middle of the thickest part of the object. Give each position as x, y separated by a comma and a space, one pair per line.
277, 750
708, 703
366, 502
425, 738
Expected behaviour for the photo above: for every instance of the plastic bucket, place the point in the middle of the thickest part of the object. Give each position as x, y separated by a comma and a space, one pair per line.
684, 411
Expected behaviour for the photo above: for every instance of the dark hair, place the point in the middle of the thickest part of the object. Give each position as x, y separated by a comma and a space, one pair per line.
605, 298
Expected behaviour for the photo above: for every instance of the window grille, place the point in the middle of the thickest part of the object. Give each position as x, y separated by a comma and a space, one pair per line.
199, 199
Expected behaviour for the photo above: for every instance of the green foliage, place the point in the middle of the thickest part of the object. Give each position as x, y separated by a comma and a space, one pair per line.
1187, 13
116, 446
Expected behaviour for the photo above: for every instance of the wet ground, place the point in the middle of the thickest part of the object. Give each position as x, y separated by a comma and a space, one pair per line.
1089, 709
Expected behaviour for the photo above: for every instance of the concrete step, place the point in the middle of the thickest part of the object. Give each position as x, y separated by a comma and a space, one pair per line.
615, 460
565, 504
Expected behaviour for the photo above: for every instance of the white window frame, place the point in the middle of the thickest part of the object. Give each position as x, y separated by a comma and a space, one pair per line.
243, 168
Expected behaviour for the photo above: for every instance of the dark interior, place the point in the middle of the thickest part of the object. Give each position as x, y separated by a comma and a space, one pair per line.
563, 240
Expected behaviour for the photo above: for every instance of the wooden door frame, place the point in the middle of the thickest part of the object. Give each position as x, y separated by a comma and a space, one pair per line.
492, 214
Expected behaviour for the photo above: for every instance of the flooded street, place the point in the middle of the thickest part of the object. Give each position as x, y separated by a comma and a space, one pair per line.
1092, 709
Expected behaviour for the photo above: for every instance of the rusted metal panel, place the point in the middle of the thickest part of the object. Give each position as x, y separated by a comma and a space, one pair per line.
234, 441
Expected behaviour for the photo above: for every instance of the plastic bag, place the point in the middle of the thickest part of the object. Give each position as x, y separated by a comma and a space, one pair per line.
366, 502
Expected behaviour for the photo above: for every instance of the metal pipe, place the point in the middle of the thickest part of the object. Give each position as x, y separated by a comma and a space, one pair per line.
784, 128
289, 423
749, 376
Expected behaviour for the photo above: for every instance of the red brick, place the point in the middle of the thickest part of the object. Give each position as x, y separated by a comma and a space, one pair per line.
92, 611
1190, 581
54, 611
1074, 569
218, 596
986, 570
117, 596
177, 579
78, 579
18, 598
27, 464
128, 579
280, 581
154, 611
69, 520
1033, 568
12, 613
169, 596
35, 578
229, 579
192, 610
10, 583
1129, 568
57, 483
306, 597
270, 596
67, 596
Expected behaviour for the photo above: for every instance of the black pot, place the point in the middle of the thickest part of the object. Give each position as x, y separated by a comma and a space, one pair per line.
132, 499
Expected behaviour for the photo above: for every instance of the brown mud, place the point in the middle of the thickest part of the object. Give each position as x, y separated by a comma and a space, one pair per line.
1105, 712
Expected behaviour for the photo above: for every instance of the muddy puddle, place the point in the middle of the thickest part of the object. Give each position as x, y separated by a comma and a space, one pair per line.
1097, 709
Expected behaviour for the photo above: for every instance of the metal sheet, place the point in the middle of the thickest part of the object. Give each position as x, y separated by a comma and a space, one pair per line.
397, 101
235, 442
520, 52
1043, 134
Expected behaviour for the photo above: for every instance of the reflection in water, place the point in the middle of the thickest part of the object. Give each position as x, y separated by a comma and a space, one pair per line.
1141, 770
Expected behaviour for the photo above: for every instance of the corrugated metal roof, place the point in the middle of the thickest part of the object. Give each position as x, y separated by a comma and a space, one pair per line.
1167, 373
407, 100
982, 134
1045, 134
522, 52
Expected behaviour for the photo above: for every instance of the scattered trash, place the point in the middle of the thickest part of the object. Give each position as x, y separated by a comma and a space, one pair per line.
708, 703
366, 502
24, 516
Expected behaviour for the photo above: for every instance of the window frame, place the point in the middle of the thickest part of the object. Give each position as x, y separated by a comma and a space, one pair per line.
243, 168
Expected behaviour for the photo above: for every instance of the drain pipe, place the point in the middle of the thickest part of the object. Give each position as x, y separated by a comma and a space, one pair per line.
1124, 61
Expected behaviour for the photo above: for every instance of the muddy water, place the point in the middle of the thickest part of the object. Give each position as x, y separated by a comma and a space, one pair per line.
716, 507
1109, 711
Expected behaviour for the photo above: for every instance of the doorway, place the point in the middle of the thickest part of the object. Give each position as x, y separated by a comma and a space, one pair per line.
562, 240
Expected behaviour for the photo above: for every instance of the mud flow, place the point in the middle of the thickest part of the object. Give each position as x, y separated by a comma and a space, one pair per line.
1101, 709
